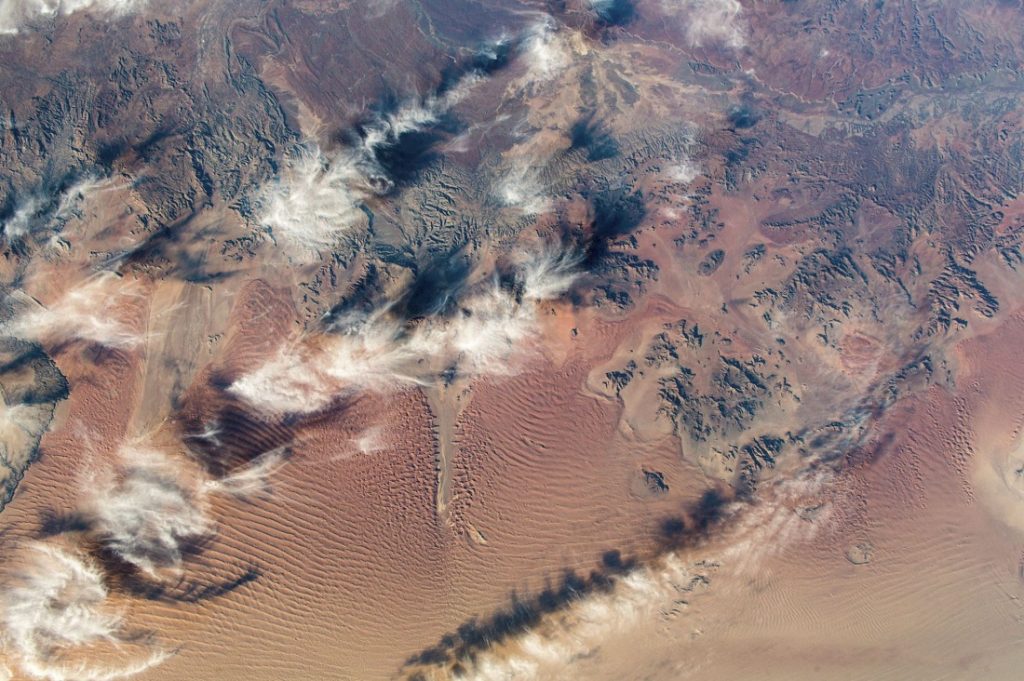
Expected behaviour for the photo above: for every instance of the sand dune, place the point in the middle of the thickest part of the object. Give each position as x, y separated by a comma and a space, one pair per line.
501, 341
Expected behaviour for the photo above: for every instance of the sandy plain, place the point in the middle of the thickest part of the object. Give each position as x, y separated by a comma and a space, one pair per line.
772, 430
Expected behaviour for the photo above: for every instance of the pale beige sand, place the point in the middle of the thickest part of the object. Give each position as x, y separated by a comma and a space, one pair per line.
355, 569
912, 567
400, 517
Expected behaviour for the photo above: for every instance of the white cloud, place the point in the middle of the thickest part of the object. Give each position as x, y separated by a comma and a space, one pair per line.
57, 622
483, 335
20, 224
318, 196
774, 524
563, 637
314, 200
710, 21
251, 479
521, 188
367, 353
370, 441
38, 213
84, 190
146, 510
380, 352
96, 311
545, 50
749, 533
20, 426
685, 172
414, 115
15, 14
148, 507
548, 274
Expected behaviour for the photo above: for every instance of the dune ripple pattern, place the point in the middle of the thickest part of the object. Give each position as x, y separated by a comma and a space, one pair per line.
509, 340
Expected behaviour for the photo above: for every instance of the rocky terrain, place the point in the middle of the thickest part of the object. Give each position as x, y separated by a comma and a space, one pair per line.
485, 340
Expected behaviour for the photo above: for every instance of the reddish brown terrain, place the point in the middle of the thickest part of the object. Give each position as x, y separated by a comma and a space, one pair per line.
425, 340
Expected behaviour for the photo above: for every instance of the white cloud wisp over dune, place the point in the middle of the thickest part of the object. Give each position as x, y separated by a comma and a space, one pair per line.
146, 510
488, 330
95, 311
59, 625
150, 506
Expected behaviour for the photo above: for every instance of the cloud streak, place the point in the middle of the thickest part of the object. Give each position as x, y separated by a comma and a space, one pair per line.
58, 621
709, 22
145, 511
315, 200
97, 311
251, 480
521, 188
151, 507
15, 15
552, 635
320, 196
39, 212
545, 638
486, 330
550, 650
545, 50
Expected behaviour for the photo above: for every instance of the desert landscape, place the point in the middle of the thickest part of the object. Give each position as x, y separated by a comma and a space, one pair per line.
437, 340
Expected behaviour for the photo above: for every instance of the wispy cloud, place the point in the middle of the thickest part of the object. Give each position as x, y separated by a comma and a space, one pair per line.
774, 524
16, 14
739, 536
710, 21
145, 510
380, 351
82, 190
319, 196
369, 441
547, 274
21, 221
58, 619
40, 212
250, 480
17, 420
521, 188
97, 311
151, 506
553, 647
315, 199
58, 622
587, 617
684, 172
545, 50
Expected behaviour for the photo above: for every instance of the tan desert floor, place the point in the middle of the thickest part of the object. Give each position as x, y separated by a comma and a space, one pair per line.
354, 565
